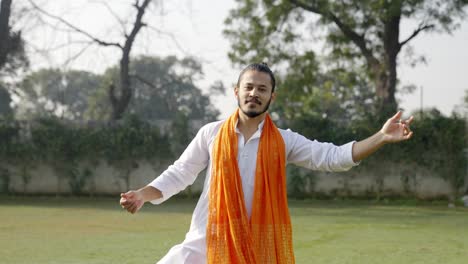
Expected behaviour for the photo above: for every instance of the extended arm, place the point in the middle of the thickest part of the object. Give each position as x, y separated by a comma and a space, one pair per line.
394, 130
132, 201
174, 179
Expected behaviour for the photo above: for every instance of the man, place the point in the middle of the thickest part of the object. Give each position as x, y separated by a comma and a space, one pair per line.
242, 214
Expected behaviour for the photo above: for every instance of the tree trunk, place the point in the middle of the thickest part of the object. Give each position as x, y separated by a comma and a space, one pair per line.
386, 92
383, 69
121, 102
4, 30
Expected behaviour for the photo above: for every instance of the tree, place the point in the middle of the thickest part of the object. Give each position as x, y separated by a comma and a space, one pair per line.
5, 101
59, 93
163, 87
365, 34
121, 92
306, 90
334, 101
12, 54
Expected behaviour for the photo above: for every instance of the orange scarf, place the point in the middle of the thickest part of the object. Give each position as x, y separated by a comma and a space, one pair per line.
231, 237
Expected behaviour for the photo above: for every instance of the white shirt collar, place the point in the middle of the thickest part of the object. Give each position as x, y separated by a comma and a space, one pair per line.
260, 126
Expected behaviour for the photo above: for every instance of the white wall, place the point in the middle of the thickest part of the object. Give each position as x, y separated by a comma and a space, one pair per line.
106, 179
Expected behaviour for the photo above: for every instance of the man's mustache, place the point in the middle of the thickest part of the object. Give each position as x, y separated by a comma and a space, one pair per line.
253, 100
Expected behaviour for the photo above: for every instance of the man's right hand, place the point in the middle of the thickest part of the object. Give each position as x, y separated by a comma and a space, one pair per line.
132, 201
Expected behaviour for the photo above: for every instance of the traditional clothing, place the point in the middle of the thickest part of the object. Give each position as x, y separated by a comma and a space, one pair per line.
266, 177
231, 236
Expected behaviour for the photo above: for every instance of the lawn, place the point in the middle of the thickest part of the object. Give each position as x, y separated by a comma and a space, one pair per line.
87, 230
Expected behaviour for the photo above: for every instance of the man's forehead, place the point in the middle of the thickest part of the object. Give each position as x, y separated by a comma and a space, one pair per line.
256, 77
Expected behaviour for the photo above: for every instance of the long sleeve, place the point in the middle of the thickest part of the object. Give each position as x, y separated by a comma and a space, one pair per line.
299, 150
316, 155
185, 170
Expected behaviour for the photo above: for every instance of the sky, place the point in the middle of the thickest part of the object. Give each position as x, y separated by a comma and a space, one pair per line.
194, 28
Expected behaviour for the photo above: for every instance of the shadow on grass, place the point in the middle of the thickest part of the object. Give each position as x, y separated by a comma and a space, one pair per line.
178, 204
174, 205
381, 212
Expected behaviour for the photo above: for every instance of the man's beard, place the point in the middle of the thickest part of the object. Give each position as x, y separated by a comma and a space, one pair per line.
253, 113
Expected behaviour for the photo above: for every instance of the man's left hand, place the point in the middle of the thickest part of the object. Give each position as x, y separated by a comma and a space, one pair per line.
396, 129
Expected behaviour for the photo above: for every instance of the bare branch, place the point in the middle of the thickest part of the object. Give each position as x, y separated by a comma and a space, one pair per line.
121, 22
143, 80
78, 54
171, 36
356, 38
61, 46
42, 52
57, 26
138, 23
95, 39
420, 28
149, 83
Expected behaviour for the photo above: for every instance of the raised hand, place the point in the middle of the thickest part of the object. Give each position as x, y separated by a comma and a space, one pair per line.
132, 201
395, 129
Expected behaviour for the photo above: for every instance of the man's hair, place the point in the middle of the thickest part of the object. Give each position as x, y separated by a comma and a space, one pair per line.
260, 67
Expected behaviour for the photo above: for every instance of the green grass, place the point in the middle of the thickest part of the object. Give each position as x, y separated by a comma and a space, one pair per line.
85, 230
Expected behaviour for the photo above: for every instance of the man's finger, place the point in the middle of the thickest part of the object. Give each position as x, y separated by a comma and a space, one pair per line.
130, 208
396, 116
407, 128
410, 134
126, 199
126, 203
409, 120
134, 209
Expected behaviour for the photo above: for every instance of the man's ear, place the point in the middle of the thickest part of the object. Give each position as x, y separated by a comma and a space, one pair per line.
273, 96
236, 90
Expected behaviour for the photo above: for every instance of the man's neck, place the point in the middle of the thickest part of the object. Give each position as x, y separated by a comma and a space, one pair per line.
248, 125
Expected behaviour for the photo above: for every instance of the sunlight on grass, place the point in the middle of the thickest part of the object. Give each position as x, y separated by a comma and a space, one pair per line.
86, 230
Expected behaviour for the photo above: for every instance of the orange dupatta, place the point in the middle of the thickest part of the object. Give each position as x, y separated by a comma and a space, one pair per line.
231, 237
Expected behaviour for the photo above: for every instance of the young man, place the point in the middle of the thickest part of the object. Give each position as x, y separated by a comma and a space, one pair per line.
242, 215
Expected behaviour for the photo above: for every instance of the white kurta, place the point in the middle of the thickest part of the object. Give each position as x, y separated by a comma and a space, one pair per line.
299, 151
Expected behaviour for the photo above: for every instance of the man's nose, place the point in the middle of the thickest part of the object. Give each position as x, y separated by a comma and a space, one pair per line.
253, 92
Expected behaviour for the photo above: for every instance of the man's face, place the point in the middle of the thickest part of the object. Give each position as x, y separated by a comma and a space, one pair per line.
254, 93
